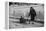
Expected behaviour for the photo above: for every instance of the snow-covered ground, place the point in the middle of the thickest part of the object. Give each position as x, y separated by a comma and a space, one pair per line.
13, 24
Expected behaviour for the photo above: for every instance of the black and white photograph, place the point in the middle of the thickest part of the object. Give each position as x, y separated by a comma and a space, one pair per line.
26, 15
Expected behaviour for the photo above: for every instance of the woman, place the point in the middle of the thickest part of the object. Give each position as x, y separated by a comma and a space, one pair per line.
32, 14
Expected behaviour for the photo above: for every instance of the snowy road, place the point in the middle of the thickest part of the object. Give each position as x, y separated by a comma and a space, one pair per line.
14, 24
